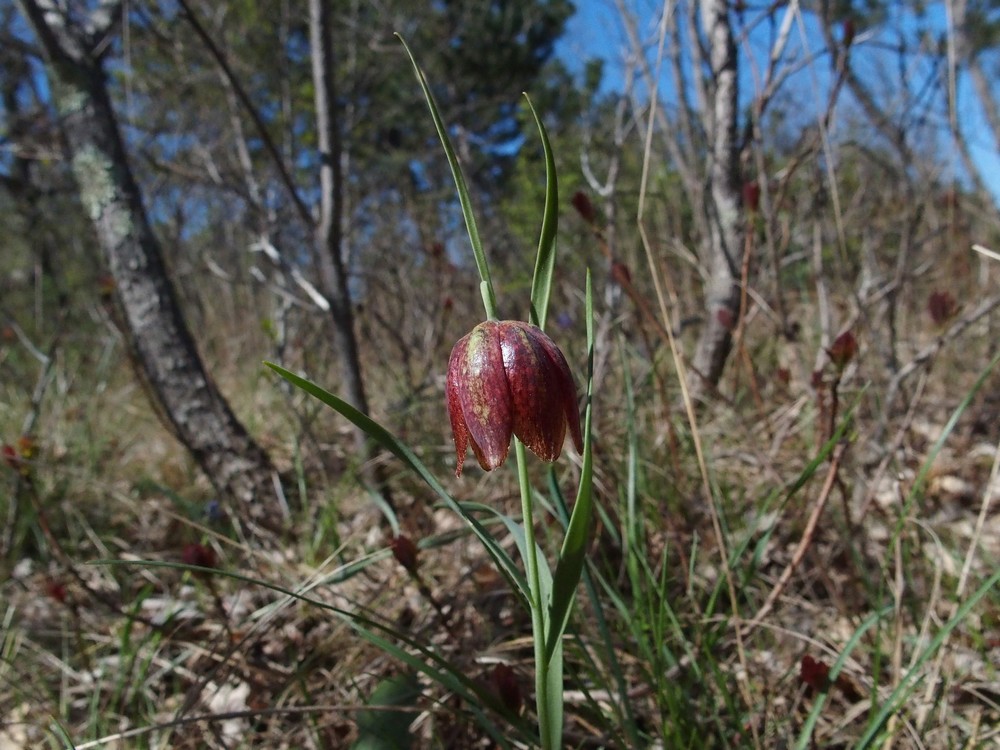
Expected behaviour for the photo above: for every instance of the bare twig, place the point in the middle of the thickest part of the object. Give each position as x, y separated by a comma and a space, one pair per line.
807, 535
925, 355
986, 251
244, 99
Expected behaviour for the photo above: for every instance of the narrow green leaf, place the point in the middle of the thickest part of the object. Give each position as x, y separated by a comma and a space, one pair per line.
399, 449
782, 498
623, 704
380, 727
517, 533
489, 297
805, 736
554, 695
557, 507
448, 677
909, 682
920, 481
635, 545
423, 659
572, 556
541, 281
57, 729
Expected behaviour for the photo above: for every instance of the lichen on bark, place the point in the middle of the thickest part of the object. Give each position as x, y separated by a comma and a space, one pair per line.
93, 176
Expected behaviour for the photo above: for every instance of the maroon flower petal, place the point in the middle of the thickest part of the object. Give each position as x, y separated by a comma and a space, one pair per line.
508, 377
843, 349
406, 552
538, 421
459, 432
542, 387
483, 395
566, 388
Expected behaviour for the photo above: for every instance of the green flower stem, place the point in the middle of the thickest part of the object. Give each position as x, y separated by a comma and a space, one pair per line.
489, 302
537, 602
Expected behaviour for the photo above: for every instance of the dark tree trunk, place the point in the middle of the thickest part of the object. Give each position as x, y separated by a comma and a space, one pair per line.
164, 350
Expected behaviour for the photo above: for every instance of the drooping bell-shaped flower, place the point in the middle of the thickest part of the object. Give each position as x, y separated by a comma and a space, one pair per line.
508, 378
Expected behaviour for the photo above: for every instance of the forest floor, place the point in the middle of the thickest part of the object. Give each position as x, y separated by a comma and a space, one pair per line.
859, 606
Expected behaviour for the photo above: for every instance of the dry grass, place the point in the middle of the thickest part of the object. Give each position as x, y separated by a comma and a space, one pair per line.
854, 589
132, 654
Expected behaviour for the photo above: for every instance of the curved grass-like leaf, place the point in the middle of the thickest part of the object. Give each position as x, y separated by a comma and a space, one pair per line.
572, 556
489, 297
541, 280
385, 723
912, 677
554, 689
399, 449
920, 481
805, 736
517, 533
422, 659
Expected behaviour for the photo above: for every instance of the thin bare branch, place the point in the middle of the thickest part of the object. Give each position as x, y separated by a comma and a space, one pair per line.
269, 145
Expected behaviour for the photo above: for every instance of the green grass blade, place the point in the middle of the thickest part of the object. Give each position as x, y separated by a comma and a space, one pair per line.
541, 281
920, 481
781, 498
516, 531
399, 449
447, 677
633, 541
385, 722
421, 658
489, 297
574, 549
805, 736
911, 678
622, 704
57, 729
554, 689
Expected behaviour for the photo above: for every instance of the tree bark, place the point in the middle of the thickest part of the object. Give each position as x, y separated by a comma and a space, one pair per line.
725, 237
165, 354
329, 229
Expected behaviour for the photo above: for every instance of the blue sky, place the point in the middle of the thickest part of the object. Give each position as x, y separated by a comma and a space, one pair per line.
597, 30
